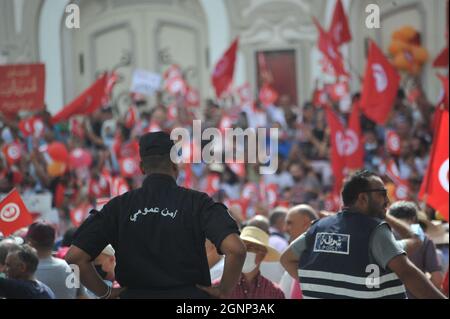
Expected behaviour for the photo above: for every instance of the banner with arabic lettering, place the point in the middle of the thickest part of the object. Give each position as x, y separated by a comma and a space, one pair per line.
22, 87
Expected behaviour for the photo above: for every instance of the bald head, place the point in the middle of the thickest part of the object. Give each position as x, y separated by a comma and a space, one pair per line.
299, 219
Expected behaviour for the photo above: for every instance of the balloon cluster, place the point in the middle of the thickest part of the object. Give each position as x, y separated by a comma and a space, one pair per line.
61, 159
408, 55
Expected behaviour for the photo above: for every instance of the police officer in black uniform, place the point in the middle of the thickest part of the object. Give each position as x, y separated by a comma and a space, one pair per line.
158, 232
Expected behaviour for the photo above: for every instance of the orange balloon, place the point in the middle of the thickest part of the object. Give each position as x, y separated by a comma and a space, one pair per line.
400, 62
415, 69
420, 54
397, 46
55, 169
408, 33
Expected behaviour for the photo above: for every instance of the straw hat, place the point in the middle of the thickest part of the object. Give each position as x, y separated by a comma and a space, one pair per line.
108, 250
257, 236
436, 230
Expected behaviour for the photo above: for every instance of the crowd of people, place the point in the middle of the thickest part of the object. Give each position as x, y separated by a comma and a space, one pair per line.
271, 217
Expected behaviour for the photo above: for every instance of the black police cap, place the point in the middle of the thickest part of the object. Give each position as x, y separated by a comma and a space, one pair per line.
157, 143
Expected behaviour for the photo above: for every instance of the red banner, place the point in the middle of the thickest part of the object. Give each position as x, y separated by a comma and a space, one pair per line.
22, 87
381, 83
339, 30
434, 189
222, 76
87, 102
330, 50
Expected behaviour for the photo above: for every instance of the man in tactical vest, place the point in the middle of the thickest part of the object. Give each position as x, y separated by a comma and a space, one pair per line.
354, 254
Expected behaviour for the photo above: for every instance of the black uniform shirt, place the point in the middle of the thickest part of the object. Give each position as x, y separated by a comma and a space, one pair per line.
158, 232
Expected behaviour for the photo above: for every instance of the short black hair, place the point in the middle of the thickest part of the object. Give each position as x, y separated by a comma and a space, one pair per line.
42, 234
404, 210
29, 257
354, 185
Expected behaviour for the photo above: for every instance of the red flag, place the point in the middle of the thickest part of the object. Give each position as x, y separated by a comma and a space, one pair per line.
172, 72
192, 97
86, 103
245, 93
80, 213
435, 184
444, 81
118, 186
33, 126
339, 30
271, 191
381, 83
13, 213
12, 152
268, 95
224, 71
129, 167
393, 143
442, 59
76, 127
212, 184
111, 80
131, 117
172, 112
241, 203
355, 159
176, 85
338, 148
332, 202
402, 187
338, 90
330, 50
320, 98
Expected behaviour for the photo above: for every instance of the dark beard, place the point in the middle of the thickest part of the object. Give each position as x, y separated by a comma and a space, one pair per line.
373, 211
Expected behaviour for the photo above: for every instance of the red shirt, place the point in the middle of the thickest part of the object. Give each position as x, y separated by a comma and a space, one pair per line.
260, 288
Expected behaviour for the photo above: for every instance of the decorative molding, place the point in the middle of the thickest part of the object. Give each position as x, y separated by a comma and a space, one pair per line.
284, 33
125, 25
160, 24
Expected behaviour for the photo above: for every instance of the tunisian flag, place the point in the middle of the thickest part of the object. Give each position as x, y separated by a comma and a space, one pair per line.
339, 29
380, 87
441, 60
330, 50
337, 158
87, 102
355, 160
13, 213
347, 150
224, 70
434, 189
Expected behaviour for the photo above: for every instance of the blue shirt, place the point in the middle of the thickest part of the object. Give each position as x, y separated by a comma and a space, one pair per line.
24, 289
